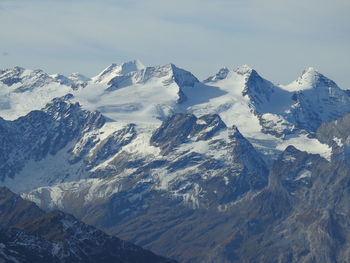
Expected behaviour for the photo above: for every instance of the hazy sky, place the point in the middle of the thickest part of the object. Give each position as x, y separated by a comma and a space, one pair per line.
279, 38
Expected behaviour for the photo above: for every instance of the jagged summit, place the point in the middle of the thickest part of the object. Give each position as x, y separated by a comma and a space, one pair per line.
244, 69
115, 70
310, 79
76, 76
222, 74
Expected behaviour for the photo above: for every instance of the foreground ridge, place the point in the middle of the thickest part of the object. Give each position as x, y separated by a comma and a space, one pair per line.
30, 235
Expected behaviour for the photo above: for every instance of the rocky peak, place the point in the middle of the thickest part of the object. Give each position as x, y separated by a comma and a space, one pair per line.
76, 77
244, 70
63, 109
27, 80
181, 127
63, 80
311, 78
169, 72
299, 165
258, 89
222, 74
183, 77
44, 132
163, 75
115, 70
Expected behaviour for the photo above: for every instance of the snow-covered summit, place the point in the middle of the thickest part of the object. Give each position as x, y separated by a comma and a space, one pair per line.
169, 73
244, 69
222, 74
77, 77
23, 90
145, 95
115, 70
22, 80
310, 79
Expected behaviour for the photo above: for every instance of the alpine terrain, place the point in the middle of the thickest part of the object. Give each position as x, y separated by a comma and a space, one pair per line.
233, 168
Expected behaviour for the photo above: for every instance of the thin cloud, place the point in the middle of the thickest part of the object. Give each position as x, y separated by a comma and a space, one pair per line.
278, 38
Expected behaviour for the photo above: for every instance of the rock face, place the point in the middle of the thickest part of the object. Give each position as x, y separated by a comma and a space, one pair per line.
181, 127
305, 222
30, 235
336, 135
42, 133
298, 217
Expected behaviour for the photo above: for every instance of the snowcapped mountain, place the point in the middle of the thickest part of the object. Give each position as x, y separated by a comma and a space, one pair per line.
23, 90
145, 95
156, 156
115, 70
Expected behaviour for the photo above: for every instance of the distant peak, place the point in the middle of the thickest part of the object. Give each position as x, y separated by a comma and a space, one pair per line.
115, 70
132, 65
244, 69
224, 69
18, 68
78, 76
124, 68
311, 78
310, 72
181, 76
222, 74
170, 66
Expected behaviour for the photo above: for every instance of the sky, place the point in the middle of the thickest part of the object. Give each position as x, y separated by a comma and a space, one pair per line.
278, 38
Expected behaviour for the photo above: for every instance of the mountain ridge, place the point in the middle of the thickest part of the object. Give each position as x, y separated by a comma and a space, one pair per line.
212, 171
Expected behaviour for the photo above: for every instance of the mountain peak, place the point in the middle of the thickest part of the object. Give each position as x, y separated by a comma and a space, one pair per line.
222, 74
310, 70
310, 79
244, 69
130, 66
309, 75
115, 70
181, 76
76, 76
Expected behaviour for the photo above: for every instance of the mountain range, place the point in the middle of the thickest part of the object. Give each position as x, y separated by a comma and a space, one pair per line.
233, 168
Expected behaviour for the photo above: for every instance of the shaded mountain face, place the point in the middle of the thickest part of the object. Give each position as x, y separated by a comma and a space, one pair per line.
197, 171
336, 135
300, 216
198, 161
43, 133
30, 235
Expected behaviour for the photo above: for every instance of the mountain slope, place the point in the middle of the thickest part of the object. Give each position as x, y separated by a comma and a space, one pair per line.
57, 237
23, 90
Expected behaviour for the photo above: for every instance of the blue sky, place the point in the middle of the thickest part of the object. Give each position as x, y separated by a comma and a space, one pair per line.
277, 38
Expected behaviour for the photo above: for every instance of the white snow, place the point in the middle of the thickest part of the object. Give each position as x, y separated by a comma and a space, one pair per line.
52, 170
150, 95
138, 103
303, 143
14, 105
115, 70
338, 141
303, 174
